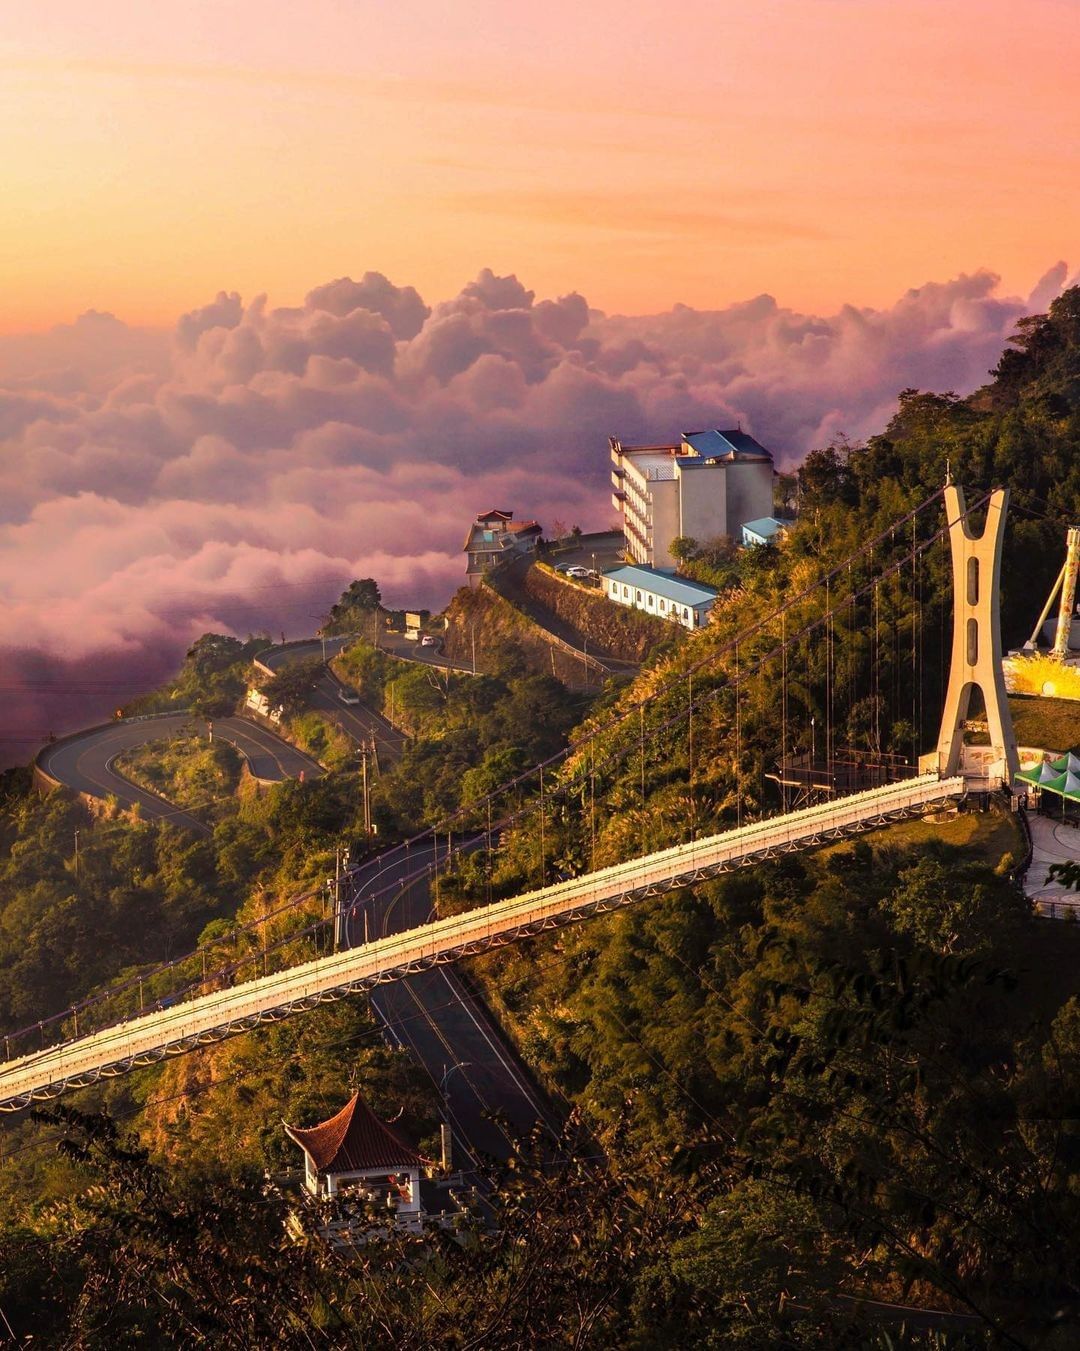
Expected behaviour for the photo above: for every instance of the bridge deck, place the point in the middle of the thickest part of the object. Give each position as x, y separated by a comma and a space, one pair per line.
208, 1018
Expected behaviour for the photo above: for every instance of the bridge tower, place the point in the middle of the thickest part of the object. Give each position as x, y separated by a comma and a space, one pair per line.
976, 647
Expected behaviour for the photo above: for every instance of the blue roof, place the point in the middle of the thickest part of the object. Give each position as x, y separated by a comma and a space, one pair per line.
765, 527
663, 584
734, 445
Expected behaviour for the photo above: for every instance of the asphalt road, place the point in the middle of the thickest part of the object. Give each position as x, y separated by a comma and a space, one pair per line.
358, 721
409, 650
489, 1099
84, 762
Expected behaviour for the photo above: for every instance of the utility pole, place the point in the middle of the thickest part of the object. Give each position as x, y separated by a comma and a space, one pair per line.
367, 792
76, 858
338, 926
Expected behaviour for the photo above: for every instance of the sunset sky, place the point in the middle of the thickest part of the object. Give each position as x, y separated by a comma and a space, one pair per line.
291, 291
642, 153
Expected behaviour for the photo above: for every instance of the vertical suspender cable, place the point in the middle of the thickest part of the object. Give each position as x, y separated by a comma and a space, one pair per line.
490, 861
917, 650
783, 708
738, 745
543, 847
828, 684
592, 805
641, 759
690, 743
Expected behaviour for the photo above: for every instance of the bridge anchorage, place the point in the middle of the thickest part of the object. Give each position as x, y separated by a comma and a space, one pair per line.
217, 1005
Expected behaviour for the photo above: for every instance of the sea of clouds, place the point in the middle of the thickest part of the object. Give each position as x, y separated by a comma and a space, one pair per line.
236, 473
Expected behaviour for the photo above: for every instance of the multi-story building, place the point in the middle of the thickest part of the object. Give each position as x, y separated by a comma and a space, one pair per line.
495, 536
705, 487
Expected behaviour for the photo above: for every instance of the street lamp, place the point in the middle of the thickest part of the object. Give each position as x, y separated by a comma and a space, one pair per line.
447, 1071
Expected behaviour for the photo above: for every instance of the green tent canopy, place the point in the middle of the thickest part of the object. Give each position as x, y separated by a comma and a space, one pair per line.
1061, 776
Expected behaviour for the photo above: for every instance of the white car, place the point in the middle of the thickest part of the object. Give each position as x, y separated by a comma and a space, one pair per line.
576, 571
429, 641
348, 696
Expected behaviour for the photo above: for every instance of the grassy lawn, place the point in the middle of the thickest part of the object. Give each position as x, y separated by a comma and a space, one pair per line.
987, 836
1052, 724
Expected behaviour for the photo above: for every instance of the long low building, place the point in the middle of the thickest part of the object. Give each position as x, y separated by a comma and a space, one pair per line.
661, 593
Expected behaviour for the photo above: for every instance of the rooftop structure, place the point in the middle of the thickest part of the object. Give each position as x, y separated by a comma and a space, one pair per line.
495, 536
706, 486
661, 594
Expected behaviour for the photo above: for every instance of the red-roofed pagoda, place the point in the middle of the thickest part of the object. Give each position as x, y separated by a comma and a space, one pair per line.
355, 1154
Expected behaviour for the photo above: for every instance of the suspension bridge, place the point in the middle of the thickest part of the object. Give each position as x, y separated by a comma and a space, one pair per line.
837, 807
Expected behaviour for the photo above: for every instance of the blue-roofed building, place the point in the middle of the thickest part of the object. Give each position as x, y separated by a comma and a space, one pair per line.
767, 530
660, 593
705, 487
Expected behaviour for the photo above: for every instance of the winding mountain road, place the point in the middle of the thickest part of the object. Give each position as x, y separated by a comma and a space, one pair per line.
85, 761
358, 721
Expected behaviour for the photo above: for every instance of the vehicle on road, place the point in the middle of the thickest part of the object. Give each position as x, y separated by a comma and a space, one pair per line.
413, 635
429, 641
348, 696
576, 571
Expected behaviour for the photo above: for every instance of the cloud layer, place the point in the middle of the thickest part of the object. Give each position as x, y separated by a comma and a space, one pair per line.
238, 473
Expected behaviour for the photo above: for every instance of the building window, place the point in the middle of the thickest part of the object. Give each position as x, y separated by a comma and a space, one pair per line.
638, 596
663, 605
626, 593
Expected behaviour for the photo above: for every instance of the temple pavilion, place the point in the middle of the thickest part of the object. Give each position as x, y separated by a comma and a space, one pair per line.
357, 1157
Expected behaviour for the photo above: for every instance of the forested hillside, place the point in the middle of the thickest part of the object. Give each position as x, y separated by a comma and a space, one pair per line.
844, 1076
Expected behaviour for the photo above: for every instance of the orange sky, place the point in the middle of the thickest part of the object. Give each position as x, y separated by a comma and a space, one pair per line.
639, 152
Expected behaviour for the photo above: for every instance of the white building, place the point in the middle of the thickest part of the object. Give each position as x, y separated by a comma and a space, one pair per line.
768, 530
661, 594
705, 487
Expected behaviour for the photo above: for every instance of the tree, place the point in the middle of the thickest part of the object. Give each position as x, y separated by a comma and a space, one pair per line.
287, 692
354, 609
211, 681
826, 478
945, 909
683, 548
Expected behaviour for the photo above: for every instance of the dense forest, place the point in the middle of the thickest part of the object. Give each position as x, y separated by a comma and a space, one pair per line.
843, 1077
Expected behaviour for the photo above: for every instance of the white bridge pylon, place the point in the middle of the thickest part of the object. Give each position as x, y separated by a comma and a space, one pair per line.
213, 1017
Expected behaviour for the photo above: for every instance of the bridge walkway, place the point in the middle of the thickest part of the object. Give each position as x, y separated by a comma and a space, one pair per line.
212, 1017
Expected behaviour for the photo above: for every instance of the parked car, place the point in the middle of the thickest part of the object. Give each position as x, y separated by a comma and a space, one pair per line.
348, 696
576, 571
429, 641
562, 567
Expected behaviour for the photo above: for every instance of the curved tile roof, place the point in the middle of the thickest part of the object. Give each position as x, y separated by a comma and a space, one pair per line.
353, 1140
